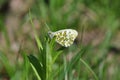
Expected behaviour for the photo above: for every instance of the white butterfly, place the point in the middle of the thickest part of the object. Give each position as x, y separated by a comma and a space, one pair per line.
64, 37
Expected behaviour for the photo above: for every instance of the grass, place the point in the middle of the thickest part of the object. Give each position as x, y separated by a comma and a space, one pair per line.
46, 60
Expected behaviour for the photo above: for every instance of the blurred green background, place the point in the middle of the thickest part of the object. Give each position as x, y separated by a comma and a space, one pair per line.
23, 32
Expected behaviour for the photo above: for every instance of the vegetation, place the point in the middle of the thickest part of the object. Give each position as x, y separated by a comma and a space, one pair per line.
28, 53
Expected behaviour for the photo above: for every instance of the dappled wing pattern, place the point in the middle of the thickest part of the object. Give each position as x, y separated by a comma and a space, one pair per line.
65, 37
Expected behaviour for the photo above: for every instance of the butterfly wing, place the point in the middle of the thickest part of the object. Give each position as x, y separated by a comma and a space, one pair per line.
65, 37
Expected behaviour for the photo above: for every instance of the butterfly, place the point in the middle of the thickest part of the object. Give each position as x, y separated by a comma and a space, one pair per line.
64, 37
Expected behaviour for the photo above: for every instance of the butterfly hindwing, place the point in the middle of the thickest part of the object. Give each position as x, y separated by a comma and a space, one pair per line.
65, 37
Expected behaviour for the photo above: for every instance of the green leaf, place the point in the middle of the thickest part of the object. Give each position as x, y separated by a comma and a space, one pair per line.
37, 67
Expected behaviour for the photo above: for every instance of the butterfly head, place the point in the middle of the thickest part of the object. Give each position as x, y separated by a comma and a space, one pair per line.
51, 34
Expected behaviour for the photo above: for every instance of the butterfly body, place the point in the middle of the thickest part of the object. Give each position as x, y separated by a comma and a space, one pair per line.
64, 37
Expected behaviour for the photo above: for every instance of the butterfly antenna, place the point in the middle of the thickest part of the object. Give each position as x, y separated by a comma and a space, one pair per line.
47, 27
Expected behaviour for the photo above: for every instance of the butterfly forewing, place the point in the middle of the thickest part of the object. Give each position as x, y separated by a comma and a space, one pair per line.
65, 37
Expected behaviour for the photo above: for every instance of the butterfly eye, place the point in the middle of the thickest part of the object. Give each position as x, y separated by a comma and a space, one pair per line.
49, 32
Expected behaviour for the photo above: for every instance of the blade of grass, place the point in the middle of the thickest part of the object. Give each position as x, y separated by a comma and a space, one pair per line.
56, 56
37, 67
49, 50
38, 42
88, 67
4, 31
72, 62
26, 66
35, 71
36, 36
7, 65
